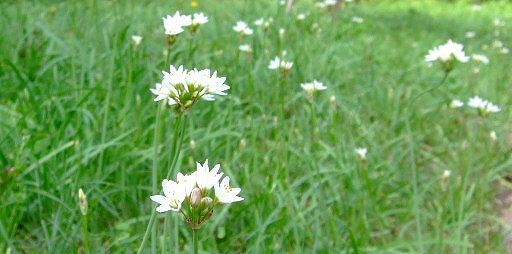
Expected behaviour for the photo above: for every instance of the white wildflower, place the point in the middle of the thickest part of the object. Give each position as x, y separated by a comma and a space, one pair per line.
447, 52
245, 48
136, 39
174, 195
225, 194
480, 58
362, 152
456, 103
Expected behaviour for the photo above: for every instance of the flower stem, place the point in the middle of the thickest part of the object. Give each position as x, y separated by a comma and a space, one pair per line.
154, 172
194, 240
86, 235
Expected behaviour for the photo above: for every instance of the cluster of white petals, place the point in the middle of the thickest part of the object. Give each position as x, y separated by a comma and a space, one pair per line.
203, 179
174, 25
456, 103
136, 39
245, 48
184, 88
357, 20
313, 86
447, 52
242, 28
480, 58
362, 152
326, 3
278, 63
482, 105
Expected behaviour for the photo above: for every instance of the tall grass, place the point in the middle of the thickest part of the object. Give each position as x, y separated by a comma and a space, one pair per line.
76, 112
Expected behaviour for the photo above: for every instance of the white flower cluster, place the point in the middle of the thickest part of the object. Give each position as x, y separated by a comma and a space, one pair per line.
480, 58
242, 28
484, 106
313, 86
326, 3
174, 25
447, 52
278, 63
190, 194
184, 88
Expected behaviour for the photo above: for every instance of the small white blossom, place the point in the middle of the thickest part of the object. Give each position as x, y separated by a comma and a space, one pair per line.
504, 50
447, 52
259, 22
199, 19
207, 178
493, 136
313, 86
470, 34
480, 58
136, 39
173, 25
174, 195
278, 63
498, 22
362, 152
483, 105
187, 182
357, 20
225, 194
456, 104
497, 44
301, 16
446, 174
245, 48
243, 28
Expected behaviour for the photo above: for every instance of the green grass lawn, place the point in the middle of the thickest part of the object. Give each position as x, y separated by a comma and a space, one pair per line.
76, 112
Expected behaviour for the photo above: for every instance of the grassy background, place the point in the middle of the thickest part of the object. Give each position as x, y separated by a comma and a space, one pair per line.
76, 112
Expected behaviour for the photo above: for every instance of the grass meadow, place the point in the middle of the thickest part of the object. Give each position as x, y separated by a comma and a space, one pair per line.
76, 112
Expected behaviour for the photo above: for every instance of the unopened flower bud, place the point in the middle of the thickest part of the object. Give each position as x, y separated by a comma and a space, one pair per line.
206, 202
195, 197
82, 202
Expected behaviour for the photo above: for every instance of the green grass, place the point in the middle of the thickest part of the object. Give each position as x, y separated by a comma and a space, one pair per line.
76, 112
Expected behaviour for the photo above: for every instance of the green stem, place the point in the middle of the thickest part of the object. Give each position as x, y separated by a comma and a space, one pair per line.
412, 158
194, 239
154, 172
86, 235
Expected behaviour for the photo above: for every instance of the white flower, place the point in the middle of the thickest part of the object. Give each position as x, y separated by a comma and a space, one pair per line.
136, 39
497, 44
477, 102
480, 58
362, 152
446, 174
187, 182
184, 87
199, 19
240, 26
493, 136
447, 52
470, 34
247, 31
245, 48
225, 194
456, 103
174, 194
82, 202
504, 50
483, 105
301, 16
173, 25
277, 63
498, 22
313, 86
357, 20
259, 22
281, 31
207, 178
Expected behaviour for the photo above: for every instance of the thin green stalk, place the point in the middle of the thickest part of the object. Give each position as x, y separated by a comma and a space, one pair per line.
412, 158
154, 172
86, 235
194, 240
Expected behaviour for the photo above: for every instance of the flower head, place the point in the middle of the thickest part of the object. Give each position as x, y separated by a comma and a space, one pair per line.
357, 20
184, 88
313, 86
225, 194
173, 25
199, 19
242, 28
245, 48
136, 39
447, 52
82, 202
278, 63
456, 103
480, 58
174, 195
207, 178
482, 105
361, 152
